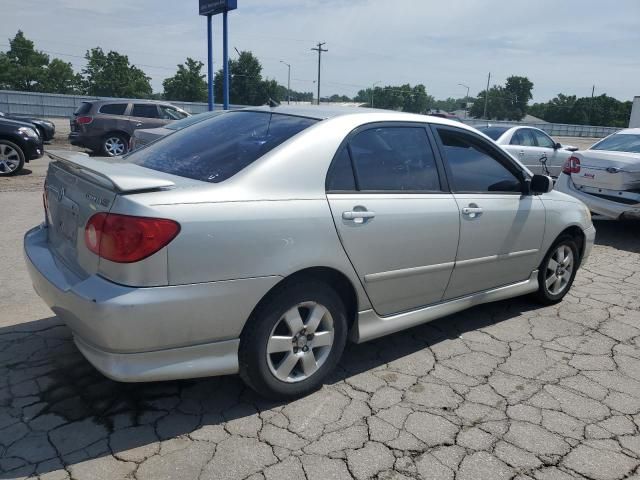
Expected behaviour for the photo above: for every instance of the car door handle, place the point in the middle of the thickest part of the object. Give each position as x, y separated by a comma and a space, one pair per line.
521, 153
470, 210
358, 216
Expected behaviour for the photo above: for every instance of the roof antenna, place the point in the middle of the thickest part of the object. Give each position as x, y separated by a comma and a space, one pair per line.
272, 103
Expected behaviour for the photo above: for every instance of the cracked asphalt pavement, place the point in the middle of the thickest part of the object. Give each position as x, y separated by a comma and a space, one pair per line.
501, 391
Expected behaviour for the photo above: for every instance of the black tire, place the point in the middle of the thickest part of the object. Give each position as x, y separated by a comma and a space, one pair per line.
4, 146
254, 366
109, 139
544, 294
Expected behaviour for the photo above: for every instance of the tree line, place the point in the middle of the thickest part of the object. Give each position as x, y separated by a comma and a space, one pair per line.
110, 74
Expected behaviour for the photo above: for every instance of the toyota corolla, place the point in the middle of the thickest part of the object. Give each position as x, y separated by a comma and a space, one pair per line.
260, 241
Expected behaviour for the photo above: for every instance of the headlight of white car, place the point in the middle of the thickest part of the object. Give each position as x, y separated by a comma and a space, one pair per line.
28, 132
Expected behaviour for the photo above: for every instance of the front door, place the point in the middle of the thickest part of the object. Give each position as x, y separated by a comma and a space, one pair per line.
501, 228
395, 220
145, 115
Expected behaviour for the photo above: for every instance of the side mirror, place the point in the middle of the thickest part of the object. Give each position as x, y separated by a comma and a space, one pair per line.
571, 148
557, 146
541, 184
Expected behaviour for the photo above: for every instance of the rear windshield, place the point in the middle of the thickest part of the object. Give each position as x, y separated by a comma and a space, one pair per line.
83, 108
218, 148
620, 142
494, 133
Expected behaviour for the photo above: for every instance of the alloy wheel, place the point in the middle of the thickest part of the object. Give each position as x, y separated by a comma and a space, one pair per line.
300, 342
114, 146
9, 159
559, 270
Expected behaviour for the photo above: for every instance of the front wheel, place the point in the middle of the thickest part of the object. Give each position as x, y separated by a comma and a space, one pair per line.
11, 158
557, 271
293, 341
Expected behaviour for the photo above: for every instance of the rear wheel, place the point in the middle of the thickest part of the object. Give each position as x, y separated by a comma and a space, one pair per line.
293, 341
557, 271
115, 144
11, 158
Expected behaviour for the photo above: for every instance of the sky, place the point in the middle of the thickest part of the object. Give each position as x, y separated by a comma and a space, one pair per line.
563, 46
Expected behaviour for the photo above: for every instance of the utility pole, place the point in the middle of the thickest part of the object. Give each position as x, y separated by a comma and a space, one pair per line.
593, 91
288, 82
319, 49
486, 97
210, 64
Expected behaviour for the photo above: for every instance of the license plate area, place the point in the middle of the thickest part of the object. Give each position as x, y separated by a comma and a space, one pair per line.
63, 219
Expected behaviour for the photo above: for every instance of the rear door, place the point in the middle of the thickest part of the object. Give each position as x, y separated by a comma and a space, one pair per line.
145, 115
501, 229
523, 146
397, 222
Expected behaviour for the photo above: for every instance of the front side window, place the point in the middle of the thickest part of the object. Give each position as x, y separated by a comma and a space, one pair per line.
395, 159
523, 138
172, 113
113, 108
145, 110
543, 139
473, 166
217, 148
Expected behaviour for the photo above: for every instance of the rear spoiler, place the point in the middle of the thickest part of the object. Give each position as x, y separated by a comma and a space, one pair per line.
114, 173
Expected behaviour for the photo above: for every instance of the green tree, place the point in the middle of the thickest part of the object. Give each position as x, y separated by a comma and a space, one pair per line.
497, 108
23, 67
188, 84
601, 110
402, 98
517, 91
111, 75
246, 86
60, 78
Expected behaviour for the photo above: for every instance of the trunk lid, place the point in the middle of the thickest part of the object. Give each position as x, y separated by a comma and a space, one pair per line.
609, 170
78, 186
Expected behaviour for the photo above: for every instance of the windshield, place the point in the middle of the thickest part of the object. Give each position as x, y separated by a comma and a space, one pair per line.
219, 147
494, 133
620, 142
185, 122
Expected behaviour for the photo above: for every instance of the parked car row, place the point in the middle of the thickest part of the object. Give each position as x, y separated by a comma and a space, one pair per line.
45, 128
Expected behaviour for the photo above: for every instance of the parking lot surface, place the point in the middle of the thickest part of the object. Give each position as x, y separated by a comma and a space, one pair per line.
505, 390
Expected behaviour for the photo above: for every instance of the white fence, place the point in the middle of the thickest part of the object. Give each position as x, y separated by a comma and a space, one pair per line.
56, 105
555, 129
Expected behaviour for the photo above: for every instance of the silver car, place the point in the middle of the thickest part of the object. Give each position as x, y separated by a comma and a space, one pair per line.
259, 241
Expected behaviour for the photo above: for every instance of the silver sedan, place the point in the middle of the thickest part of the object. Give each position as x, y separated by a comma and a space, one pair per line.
259, 241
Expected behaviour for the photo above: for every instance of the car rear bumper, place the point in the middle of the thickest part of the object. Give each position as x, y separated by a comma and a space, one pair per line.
598, 205
146, 334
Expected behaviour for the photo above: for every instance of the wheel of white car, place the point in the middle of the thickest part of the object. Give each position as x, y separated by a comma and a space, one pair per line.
293, 340
11, 158
558, 270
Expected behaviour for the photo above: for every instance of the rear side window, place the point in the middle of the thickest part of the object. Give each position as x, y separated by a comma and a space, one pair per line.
395, 159
83, 109
113, 108
340, 177
216, 149
473, 166
172, 113
144, 110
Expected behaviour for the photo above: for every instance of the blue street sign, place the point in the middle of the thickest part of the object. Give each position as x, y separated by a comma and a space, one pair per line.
214, 7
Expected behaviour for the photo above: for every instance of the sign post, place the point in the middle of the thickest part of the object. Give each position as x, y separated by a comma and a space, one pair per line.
210, 8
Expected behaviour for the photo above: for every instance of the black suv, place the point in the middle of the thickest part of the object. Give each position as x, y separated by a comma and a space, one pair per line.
19, 143
105, 126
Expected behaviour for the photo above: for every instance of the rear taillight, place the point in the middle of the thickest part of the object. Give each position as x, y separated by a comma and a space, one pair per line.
572, 165
127, 239
84, 120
